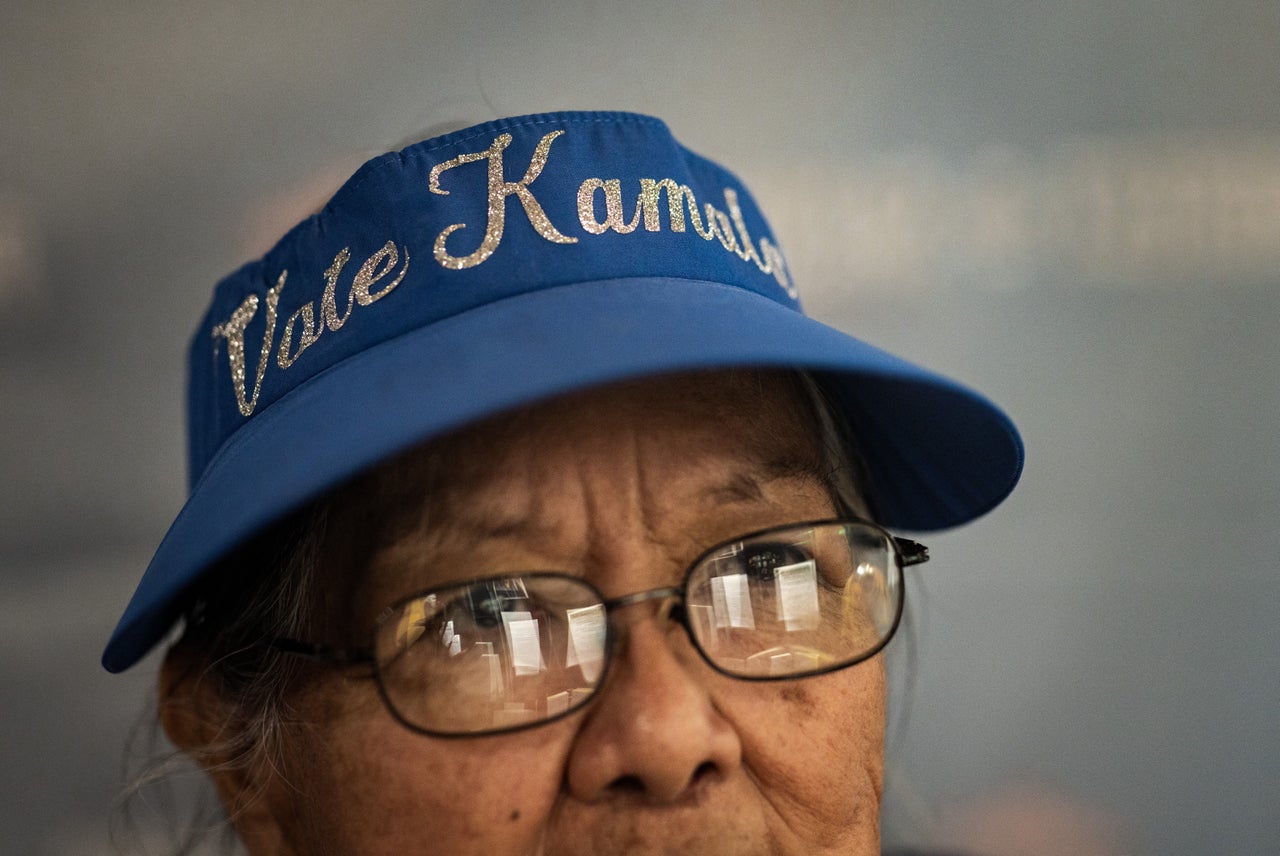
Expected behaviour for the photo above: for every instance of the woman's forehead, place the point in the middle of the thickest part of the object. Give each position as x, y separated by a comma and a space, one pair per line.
684, 445
758, 416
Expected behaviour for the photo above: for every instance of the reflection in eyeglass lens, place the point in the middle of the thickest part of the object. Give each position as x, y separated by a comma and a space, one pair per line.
507, 651
494, 654
799, 602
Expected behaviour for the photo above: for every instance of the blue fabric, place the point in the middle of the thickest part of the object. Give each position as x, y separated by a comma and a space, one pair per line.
534, 318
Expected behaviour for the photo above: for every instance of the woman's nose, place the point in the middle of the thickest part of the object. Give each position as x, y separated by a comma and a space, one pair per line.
654, 732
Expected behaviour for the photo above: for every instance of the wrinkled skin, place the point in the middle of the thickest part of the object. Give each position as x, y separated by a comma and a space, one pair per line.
625, 486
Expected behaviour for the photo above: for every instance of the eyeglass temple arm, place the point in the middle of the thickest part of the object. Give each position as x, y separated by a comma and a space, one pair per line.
326, 653
912, 552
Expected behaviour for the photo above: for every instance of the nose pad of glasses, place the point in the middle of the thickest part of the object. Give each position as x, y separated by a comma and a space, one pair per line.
666, 604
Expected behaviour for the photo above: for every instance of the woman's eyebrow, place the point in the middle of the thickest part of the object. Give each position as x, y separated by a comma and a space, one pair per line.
459, 531
748, 485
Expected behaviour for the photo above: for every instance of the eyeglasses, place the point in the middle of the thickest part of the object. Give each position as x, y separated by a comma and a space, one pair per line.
502, 653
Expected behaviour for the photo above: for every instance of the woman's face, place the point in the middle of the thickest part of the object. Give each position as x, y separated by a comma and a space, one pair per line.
625, 487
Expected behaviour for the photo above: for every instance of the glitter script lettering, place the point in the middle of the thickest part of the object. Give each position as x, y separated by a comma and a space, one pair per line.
383, 271
306, 321
499, 189
729, 228
233, 331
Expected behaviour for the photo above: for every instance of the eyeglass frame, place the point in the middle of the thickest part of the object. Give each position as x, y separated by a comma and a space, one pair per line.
906, 552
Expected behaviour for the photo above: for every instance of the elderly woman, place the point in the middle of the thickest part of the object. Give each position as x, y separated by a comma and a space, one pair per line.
529, 514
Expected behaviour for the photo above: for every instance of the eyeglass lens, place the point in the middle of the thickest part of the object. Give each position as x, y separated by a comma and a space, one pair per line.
511, 651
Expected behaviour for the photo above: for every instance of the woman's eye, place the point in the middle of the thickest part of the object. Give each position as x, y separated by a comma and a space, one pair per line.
485, 612
760, 561
482, 606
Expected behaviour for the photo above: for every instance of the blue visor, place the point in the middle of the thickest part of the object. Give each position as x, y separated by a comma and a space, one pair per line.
503, 264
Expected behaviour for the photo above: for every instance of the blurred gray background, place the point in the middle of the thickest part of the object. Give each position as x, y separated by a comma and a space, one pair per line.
1073, 206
